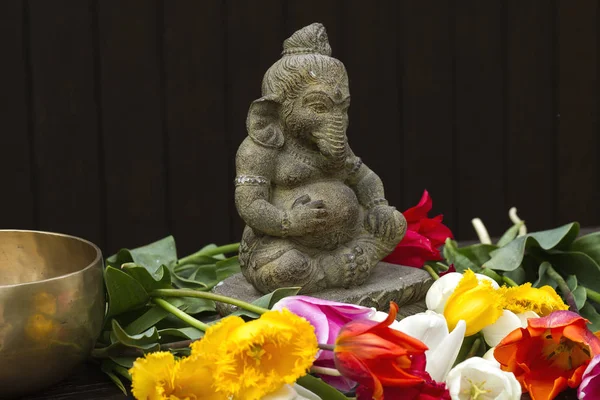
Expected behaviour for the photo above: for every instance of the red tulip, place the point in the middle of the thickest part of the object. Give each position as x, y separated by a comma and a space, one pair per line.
377, 356
550, 354
428, 390
423, 237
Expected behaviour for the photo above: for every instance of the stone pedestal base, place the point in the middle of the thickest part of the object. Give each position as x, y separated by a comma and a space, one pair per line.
404, 285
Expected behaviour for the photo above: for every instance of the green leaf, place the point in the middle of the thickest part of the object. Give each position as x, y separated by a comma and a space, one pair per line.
580, 296
588, 244
543, 278
125, 362
589, 312
509, 257
510, 234
460, 261
147, 340
185, 283
478, 253
579, 264
161, 279
186, 333
320, 388
193, 305
147, 320
151, 256
228, 267
107, 367
268, 300
518, 275
124, 292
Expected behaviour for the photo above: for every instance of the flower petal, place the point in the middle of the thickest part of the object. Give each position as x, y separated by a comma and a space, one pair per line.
590, 384
429, 327
441, 290
483, 375
524, 317
494, 333
441, 359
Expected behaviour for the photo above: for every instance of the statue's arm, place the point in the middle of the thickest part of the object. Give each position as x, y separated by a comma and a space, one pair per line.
255, 167
366, 184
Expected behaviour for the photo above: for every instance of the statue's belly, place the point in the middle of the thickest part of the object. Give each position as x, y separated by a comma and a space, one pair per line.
343, 212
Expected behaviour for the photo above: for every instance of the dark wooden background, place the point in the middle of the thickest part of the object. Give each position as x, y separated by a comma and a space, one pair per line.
119, 119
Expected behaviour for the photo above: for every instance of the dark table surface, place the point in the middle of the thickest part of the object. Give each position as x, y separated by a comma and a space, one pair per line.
86, 382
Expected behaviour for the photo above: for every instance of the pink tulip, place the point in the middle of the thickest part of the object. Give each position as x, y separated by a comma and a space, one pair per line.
590, 384
327, 317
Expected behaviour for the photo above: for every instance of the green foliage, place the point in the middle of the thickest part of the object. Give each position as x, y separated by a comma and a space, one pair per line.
320, 388
151, 256
510, 256
124, 292
269, 300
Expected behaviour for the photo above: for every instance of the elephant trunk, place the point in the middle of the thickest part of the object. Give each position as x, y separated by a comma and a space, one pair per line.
332, 141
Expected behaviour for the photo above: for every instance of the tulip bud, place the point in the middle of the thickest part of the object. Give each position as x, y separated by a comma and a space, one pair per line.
474, 301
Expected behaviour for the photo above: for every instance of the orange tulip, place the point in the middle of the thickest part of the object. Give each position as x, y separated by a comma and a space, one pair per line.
550, 354
375, 355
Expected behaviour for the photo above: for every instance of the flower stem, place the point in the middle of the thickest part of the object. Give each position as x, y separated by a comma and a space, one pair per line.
564, 288
209, 296
509, 281
433, 274
325, 371
481, 231
325, 346
474, 348
185, 317
228, 248
593, 295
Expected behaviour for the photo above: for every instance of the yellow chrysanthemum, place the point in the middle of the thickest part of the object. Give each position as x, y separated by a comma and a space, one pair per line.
476, 302
194, 380
215, 336
159, 376
152, 377
258, 357
523, 298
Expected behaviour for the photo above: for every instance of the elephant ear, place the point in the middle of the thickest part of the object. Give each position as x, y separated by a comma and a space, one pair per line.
263, 122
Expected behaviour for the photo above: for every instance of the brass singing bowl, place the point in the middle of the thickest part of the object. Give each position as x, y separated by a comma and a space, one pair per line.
51, 307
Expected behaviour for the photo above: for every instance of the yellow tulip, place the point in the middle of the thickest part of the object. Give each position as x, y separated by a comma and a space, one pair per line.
476, 302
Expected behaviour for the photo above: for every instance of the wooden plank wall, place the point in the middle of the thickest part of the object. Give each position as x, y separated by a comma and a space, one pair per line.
119, 119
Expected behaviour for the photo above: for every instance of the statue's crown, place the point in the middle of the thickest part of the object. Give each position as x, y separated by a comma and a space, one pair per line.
311, 39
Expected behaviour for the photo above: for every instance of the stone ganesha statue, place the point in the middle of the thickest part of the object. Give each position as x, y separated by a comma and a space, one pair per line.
316, 215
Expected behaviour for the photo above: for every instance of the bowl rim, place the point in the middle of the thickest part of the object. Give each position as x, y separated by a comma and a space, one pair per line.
97, 259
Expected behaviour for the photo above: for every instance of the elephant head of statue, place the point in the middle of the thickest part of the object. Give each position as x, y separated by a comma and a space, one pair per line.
305, 98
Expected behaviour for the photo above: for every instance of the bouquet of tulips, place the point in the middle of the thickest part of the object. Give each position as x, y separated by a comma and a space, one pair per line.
502, 321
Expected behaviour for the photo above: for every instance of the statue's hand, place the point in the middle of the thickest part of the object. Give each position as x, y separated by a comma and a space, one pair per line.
306, 216
382, 222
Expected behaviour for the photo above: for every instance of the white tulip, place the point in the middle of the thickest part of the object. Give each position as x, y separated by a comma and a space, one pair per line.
489, 355
525, 316
441, 290
508, 322
494, 333
482, 379
287, 392
431, 328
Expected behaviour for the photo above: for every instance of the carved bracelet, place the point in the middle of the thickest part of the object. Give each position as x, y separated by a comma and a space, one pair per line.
251, 180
